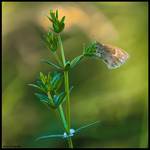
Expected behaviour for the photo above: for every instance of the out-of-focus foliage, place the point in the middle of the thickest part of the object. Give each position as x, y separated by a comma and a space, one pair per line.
118, 98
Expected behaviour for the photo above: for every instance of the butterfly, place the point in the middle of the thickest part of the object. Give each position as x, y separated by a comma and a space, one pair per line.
112, 56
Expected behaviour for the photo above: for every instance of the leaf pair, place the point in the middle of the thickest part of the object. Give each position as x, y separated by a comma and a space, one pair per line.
65, 136
58, 25
69, 65
51, 64
89, 50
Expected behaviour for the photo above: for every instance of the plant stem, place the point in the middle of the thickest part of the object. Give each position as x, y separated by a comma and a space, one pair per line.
68, 105
57, 58
70, 142
62, 50
66, 78
68, 98
62, 116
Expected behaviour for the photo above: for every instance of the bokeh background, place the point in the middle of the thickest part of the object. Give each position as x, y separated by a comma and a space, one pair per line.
118, 98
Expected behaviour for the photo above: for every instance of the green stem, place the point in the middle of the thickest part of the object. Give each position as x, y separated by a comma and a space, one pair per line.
70, 142
62, 50
67, 92
57, 58
68, 98
62, 116
68, 106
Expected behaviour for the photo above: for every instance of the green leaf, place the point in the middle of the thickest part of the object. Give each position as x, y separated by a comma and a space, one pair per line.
50, 63
41, 85
51, 41
56, 28
48, 77
50, 19
76, 61
52, 14
56, 81
59, 98
36, 86
62, 20
58, 25
57, 14
61, 27
49, 136
42, 77
67, 65
86, 126
43, 98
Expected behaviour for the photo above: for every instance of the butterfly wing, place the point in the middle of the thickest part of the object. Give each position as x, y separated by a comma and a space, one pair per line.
112, 56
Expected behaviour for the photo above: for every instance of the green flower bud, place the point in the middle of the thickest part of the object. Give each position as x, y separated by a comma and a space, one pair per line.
58, 25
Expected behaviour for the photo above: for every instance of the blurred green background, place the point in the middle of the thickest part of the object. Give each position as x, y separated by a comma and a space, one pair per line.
118, 98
